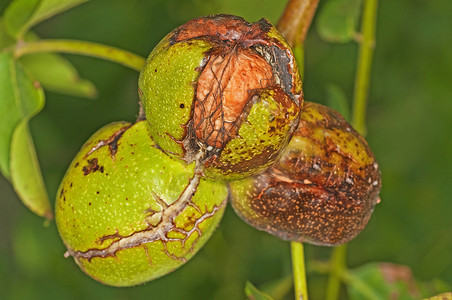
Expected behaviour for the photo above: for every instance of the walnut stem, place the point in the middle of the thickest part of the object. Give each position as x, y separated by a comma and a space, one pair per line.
293, 25
296, 19
364, 65
113, 54
299, 271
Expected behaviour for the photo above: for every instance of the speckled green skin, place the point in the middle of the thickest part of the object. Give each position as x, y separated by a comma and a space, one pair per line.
323, 189
129, 213
167, 87
167, 90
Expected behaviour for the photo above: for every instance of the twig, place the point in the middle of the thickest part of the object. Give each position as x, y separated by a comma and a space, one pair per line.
296, 19
293, 25
338, 265
299, 271
113, 54
366, 50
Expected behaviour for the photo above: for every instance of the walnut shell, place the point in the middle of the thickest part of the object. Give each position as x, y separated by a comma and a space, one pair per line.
322, 191
224, 92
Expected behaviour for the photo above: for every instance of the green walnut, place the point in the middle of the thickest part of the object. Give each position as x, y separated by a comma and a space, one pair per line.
223, 92
322, 191
129, 213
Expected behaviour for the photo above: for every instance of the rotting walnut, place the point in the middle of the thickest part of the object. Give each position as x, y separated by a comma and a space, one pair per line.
128, 213
322, 191
223, 92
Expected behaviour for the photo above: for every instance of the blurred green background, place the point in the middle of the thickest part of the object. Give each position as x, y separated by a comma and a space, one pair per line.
409, 130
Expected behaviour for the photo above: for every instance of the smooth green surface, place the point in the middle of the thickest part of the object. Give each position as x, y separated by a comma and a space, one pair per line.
409, 121
167, 84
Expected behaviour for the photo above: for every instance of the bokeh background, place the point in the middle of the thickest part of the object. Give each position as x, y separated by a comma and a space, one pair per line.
409, 129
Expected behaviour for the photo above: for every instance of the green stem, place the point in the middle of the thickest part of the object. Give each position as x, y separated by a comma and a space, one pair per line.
293, 25
299, 271
338, 265
113, 54
366, 50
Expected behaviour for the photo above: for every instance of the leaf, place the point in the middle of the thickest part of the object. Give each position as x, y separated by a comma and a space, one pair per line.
20, 99
57, 74
5, 39
253, 293
26, 174
279, 288
337, 100
338, 19
382, 281
21, 15
10, 108
17, 14
444, 296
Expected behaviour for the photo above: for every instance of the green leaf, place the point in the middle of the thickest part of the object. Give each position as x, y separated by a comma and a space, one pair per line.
337, 21
10, 108
5, 39
252, 293
279, 288
337, 100
21, 15
26, 174
20, 99
382, 281
17, 14
435, 286
57, 74
444, 296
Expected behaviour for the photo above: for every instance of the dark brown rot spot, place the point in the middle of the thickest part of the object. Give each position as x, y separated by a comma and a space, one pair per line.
111, 142
322, 191
92, 166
